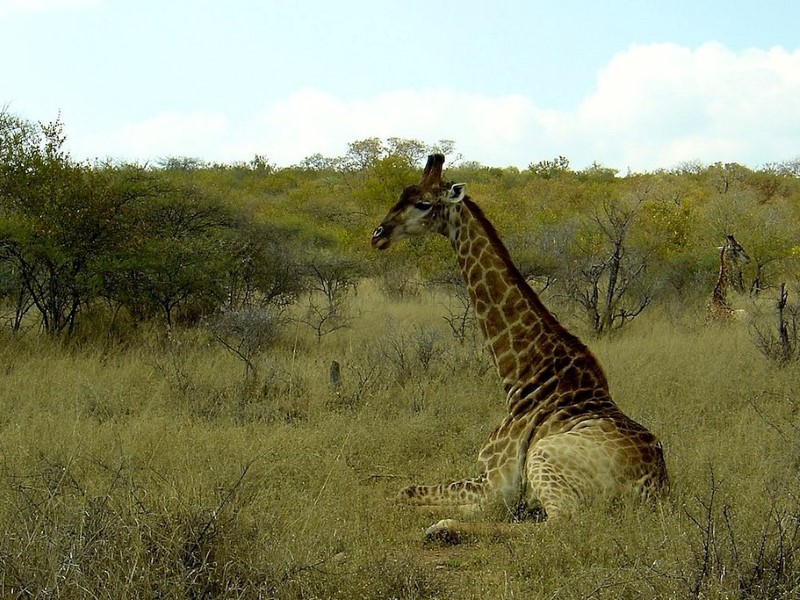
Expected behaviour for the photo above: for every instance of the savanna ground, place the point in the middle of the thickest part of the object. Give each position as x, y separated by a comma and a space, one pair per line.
161, 467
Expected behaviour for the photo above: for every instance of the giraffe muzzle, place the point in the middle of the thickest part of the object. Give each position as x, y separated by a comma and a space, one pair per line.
380, 238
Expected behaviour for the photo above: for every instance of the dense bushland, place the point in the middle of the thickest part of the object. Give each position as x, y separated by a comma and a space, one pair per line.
183, 240
171, 425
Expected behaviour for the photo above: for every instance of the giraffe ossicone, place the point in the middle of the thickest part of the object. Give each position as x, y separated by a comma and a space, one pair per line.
563, 439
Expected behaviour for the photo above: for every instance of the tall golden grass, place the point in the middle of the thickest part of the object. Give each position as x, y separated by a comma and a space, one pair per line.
158, 469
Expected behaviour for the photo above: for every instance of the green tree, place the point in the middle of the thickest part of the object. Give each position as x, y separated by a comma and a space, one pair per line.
549, 169
58, 220
606, 275
178, 257
264, 266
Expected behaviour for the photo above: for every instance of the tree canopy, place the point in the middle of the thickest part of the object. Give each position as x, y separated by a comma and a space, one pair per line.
183, 239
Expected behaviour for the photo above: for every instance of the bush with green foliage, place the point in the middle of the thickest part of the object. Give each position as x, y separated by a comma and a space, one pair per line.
187, 238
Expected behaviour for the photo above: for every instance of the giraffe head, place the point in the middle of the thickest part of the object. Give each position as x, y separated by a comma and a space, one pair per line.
419, 209
734, 253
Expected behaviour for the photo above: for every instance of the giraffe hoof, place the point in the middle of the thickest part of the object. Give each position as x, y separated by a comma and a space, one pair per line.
407, 493
444, 532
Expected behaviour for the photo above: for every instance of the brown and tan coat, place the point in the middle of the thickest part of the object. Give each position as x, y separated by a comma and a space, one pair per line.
731, 255
563, 439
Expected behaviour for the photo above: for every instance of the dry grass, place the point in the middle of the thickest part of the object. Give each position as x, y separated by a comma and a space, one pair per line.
158, 470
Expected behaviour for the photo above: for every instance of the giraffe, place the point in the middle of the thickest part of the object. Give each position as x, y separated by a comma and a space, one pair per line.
717, 308
563, 439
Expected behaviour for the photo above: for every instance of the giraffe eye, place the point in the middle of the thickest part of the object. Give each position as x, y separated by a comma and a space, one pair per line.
423, 205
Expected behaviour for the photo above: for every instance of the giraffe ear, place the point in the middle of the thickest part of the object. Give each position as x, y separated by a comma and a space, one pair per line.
457, 193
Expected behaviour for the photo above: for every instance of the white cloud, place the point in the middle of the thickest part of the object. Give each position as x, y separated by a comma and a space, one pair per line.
197, 134
653, 106
659, 104
311, 121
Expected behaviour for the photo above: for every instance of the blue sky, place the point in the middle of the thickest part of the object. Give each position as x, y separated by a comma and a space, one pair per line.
636, 85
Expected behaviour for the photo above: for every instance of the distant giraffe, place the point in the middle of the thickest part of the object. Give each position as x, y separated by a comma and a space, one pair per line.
730, 255
563, 439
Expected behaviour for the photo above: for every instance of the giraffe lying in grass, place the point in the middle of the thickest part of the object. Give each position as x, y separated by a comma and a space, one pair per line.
563, 439
717, 309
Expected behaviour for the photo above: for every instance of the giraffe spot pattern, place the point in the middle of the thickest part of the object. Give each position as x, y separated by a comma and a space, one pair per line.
563, 438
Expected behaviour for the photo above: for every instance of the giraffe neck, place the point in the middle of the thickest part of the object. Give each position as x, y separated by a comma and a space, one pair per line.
721, 287
530, 348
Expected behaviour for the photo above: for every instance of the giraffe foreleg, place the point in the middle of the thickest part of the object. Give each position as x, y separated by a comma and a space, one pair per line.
465, 494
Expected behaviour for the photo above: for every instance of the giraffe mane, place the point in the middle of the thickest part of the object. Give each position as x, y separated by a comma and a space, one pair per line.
497, 243
719, 294
516, 277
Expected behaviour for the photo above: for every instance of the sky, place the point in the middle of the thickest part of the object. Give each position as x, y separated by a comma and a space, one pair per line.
633, 85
